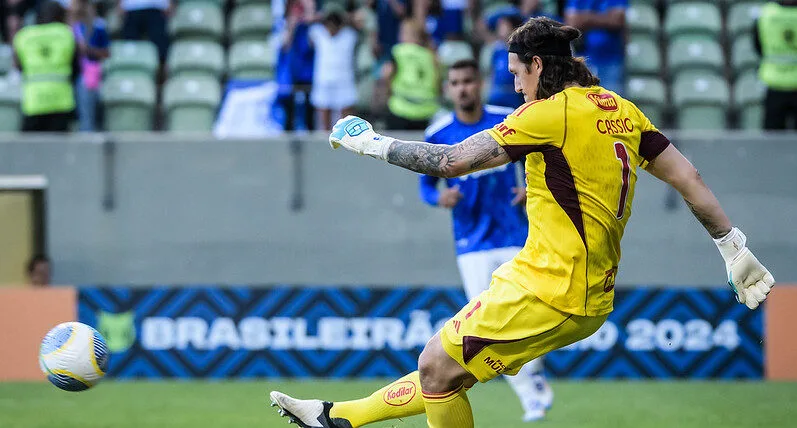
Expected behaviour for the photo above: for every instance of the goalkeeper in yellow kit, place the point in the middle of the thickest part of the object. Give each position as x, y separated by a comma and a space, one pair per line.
583, 146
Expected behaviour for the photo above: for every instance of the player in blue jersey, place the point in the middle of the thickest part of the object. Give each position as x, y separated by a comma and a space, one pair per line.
490, 226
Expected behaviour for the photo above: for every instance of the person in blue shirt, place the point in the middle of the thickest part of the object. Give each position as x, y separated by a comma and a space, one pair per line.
294, 71
603, 24
502, 22
502, 82
490, 226
389, 14
93, 42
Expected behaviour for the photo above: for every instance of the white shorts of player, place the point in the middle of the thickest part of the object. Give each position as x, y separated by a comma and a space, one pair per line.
334, 96
476, 268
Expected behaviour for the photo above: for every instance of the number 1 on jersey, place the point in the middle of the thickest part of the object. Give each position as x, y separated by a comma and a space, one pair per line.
622, 154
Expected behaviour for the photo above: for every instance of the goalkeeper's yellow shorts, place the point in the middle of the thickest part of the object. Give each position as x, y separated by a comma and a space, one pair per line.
507, 326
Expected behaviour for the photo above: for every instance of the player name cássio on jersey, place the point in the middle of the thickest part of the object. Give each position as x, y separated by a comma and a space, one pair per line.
582, 146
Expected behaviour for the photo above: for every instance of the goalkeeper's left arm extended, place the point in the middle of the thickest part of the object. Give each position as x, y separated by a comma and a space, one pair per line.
746, 275
477, 152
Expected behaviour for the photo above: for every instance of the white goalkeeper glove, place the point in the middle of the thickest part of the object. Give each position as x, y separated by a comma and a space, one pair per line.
357, 135
746, 275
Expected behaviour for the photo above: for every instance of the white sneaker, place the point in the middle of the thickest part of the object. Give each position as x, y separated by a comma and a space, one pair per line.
306, 413
534, 412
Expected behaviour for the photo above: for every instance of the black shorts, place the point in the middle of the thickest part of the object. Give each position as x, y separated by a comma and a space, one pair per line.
149, 23
54, 122
399, 123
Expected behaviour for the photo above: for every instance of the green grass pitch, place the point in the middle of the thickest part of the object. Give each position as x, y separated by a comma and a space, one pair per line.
590, 404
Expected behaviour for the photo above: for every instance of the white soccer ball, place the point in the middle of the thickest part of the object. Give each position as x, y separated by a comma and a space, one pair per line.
74, 356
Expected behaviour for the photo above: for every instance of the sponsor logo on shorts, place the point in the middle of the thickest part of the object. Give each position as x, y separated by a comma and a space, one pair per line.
608, 281
478, 305
400, 393
604, 101
494, 364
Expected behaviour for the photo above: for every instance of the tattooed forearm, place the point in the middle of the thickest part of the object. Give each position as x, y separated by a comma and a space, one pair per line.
476, 152
431, 159
717, 229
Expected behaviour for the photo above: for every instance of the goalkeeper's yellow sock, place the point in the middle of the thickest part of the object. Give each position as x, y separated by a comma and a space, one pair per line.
448, 409
399, 399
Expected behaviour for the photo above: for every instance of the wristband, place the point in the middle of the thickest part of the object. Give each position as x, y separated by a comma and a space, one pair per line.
379, 147
732, 244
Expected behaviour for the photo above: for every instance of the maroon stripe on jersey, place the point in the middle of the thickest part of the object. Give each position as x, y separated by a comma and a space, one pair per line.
523, 108
516, 152
472, 345
558, 178
652, 144
560, 182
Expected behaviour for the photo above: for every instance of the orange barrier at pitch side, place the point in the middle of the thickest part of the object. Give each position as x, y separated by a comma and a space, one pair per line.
780, 338
27, 314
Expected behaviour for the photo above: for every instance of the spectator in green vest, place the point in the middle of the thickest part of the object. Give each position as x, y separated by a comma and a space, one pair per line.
47, 57
414, 79
775, 36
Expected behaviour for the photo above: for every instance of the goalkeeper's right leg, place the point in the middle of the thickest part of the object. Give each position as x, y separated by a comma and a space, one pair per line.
401, 398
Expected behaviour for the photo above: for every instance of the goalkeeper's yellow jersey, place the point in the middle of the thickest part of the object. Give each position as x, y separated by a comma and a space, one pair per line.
582, 148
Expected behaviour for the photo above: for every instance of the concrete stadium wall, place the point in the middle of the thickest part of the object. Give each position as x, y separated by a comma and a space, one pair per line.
186, 210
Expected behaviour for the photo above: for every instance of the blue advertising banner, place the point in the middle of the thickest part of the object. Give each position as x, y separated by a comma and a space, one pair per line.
216, 332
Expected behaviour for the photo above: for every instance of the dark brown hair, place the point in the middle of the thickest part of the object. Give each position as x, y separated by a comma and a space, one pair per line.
51, 11
465, 63
35, 260
557, 71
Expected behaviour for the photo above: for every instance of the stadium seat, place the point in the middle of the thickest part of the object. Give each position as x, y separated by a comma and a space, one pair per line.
693, 18
6, 59
197, 21
130, 57
695, 53
743, 55
486, 58
748, 99
114, 23
700, 99
243, 2
741, 17
218, 2
490, 7
643, 56
196, 58
10, 114
129, 102
451, 51
650, 96
251, 60
250, 22
643, 18
191, 103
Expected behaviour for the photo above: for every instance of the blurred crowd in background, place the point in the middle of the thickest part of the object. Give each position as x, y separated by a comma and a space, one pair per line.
169, 65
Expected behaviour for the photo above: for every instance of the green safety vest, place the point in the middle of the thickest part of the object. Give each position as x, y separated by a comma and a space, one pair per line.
414, 88
45, 55
777, 30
